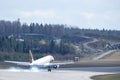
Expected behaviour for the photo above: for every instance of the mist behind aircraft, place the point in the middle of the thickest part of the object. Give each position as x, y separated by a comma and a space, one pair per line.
18, 69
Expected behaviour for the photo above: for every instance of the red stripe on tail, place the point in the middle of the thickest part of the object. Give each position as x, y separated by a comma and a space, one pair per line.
31, 56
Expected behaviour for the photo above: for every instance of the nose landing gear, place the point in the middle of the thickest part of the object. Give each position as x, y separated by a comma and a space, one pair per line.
49, 69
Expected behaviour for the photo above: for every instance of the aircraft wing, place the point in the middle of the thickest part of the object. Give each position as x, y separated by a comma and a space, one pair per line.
19, 63
64, 63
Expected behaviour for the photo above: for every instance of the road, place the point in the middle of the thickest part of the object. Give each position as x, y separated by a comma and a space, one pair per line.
104, 54
93, 50
89, 48
64, 74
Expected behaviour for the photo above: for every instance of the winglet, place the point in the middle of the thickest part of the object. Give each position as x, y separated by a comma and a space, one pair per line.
31, 56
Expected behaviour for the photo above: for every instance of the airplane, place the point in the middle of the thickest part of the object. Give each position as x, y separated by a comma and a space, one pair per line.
44, 62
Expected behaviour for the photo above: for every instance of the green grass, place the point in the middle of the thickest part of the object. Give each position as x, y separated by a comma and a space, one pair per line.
107, 77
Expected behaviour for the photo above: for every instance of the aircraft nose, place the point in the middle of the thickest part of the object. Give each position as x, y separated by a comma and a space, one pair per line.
52, 58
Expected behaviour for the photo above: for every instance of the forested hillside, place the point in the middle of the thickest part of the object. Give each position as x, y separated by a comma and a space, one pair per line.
56, 39
54, 30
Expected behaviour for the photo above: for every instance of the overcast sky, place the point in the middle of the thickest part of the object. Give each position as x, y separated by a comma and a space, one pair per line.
82, 13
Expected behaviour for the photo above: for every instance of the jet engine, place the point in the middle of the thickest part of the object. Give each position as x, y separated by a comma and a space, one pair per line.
55, 66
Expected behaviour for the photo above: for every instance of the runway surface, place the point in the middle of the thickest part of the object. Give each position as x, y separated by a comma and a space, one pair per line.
61, 74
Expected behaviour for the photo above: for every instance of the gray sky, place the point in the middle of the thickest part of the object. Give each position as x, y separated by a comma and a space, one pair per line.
82, 13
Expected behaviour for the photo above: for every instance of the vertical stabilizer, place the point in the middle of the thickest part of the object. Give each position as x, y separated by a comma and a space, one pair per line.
31, 56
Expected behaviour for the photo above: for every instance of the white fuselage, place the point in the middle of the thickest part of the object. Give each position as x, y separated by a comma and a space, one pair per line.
45, 61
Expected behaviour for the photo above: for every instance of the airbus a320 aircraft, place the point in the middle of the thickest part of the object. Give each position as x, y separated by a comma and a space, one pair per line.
44, 62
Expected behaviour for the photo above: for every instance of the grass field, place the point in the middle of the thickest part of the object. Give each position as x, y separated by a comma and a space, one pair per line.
113, 56
107, 77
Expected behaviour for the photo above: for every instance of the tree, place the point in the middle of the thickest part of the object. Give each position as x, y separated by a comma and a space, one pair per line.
52, 46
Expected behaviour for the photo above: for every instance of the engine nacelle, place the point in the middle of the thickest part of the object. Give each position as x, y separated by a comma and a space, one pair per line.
55, 66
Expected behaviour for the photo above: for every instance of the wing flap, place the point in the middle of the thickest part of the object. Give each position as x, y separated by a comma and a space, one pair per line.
64, 63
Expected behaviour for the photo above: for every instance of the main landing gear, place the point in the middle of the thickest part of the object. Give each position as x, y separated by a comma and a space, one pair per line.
49, 69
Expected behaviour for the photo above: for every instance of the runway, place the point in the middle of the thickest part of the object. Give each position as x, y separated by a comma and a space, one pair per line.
61, 74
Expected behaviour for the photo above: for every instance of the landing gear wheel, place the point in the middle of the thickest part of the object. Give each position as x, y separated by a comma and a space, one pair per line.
49, 70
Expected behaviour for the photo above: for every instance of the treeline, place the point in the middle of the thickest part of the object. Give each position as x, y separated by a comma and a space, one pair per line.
12, 49
15, 27
104, 34
37, 46
54, 30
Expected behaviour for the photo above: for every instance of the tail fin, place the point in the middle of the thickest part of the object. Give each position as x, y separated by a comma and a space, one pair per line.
31, 56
